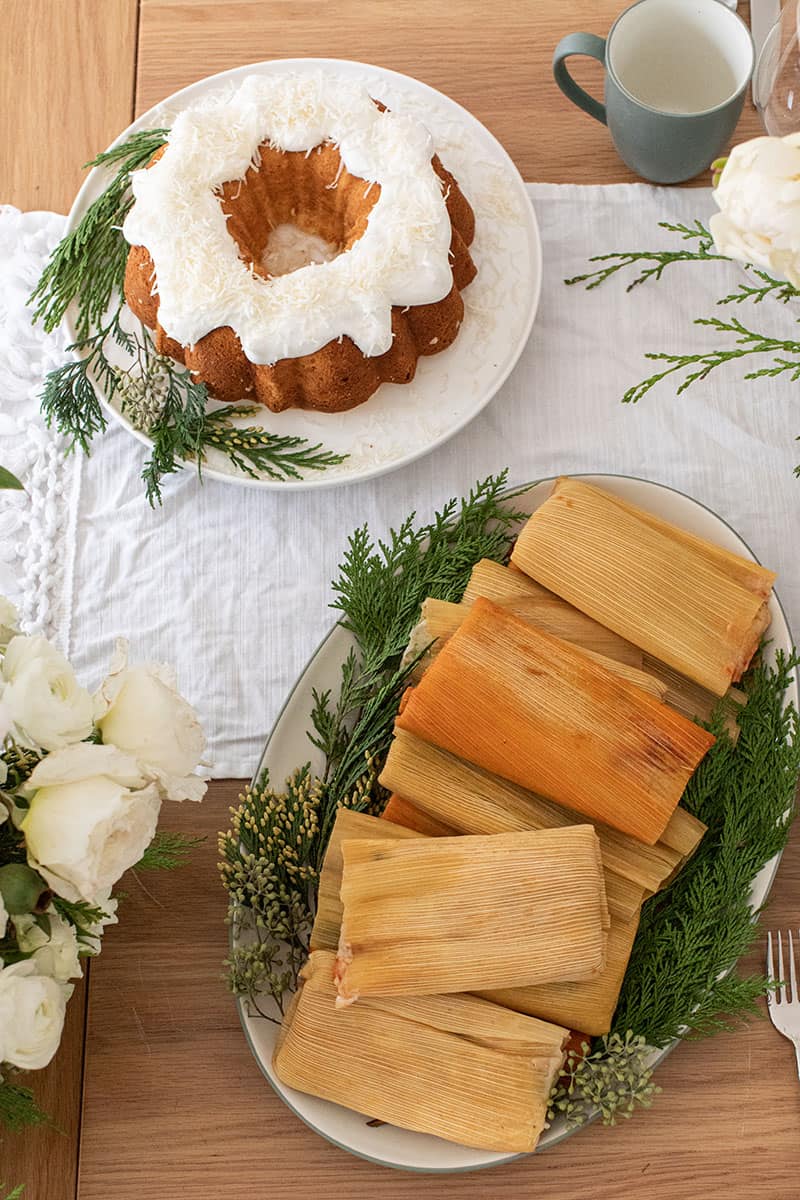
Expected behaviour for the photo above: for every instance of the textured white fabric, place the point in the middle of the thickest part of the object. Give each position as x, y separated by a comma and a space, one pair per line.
232, 585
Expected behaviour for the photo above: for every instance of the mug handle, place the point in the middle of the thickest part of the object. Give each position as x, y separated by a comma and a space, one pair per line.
579, 43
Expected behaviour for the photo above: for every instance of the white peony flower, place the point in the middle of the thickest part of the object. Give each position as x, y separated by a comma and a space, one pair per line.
758, 194
9, 622
32, 1008
139, 710
41, 695
92, 815
54, 954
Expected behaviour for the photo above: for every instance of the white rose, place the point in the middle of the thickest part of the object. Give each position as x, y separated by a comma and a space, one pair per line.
92, 815
32, 1008
54, 954
139, 710
42, 697
758, 194
9, 621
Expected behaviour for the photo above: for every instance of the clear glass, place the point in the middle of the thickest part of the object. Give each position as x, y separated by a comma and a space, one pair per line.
776, 81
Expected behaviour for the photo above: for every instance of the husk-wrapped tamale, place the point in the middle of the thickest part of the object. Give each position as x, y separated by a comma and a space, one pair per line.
429, 915
694, 606
467, 799
455, 1066
348, 824
588, 1006
536, 710
516, 591
440, 619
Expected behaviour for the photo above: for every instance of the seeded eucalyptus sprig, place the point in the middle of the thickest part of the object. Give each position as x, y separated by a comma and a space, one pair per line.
610, 1079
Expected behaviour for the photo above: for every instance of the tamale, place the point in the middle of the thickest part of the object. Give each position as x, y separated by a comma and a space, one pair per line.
402, 812
348, 824
439, 620
516, 591
455, 1066
454, 914
533, 709
696, 607
587, 1006
469, 800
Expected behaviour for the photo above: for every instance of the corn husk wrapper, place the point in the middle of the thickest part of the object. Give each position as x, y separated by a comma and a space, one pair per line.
457, 1067
430, 915
440, 619
466, 799
586, 1006
348, 824
516, 591
694, 606
533, 709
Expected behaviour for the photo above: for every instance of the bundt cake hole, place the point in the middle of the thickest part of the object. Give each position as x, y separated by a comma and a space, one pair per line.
293, 208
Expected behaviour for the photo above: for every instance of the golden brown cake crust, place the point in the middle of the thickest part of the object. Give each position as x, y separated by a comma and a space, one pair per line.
314, 192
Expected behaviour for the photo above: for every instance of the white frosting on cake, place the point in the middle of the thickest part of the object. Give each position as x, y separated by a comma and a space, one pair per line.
401, 259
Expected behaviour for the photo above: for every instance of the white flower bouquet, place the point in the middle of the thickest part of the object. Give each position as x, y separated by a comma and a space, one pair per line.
82, 780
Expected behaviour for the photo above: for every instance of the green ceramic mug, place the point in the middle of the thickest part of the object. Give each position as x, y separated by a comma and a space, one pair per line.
676, 72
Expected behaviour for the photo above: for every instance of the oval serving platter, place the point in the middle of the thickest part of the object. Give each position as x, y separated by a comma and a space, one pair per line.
287, 746
399, 423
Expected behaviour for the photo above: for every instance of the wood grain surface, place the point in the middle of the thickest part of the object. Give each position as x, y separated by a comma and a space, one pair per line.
174, 1103
66, 91
493, 59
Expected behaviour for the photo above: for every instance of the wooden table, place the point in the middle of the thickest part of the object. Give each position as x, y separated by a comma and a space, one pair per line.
154, 1088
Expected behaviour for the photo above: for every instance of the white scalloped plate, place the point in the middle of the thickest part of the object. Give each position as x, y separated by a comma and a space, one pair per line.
402, 422
288, 746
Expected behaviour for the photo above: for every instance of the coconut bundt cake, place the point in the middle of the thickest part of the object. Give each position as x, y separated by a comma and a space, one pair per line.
245, 176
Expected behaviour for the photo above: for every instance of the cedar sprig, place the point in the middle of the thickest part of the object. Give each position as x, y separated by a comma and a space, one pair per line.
382, 584
659, 260
692, 934
167, 851
257, 452
700, 366
785, 353
69, 399
18, 1107
88, 265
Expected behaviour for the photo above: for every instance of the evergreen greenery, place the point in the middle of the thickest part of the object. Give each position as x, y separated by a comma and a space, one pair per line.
783, 354
87, 269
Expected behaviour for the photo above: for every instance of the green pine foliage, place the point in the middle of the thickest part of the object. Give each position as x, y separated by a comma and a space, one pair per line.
87, 270
782, 354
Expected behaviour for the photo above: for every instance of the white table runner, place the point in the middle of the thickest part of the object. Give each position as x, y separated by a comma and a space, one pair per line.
233, 586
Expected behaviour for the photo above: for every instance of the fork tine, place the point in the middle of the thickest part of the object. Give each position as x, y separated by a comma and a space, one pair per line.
781, 976
792, 974
770, 965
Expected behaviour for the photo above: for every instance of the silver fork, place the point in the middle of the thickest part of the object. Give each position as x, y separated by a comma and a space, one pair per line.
783, 1001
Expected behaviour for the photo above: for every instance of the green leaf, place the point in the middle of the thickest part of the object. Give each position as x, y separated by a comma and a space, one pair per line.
23, 890
167, 851
18, 1108
9, 481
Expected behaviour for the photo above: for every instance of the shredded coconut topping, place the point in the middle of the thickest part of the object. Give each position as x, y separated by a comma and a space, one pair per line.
401, 259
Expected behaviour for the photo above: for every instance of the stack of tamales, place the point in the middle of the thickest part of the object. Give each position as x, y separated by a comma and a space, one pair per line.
535, 775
